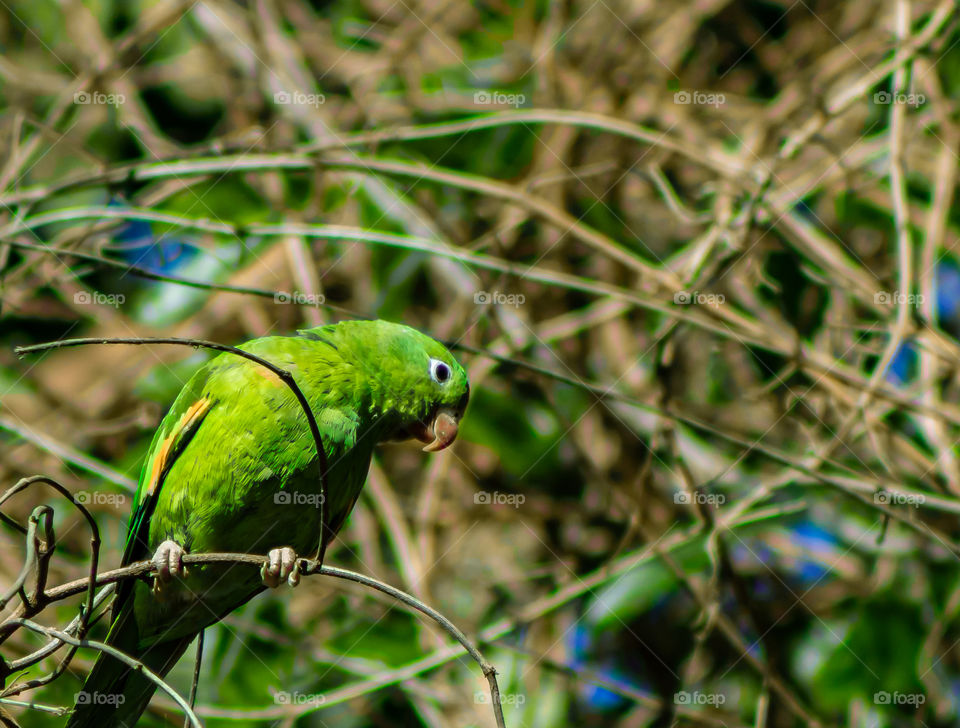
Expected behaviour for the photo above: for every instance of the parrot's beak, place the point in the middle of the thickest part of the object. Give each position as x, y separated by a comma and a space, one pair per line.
440, 433
444, 431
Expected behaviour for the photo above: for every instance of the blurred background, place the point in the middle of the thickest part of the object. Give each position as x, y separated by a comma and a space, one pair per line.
698, 258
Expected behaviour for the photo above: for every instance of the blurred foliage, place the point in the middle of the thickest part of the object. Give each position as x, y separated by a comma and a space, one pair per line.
702, 271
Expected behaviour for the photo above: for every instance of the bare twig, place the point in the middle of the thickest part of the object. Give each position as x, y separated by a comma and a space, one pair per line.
117, 655
308, 566
35, 603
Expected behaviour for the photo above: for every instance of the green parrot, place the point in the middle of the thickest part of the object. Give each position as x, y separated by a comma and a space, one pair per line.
234, 468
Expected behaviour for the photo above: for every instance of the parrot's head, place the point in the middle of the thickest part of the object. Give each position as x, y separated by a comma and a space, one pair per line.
415, 385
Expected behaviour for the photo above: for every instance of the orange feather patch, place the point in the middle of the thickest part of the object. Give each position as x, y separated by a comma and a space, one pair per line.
189, 419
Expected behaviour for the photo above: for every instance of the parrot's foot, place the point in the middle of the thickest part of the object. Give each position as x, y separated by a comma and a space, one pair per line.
168, 560
283, 565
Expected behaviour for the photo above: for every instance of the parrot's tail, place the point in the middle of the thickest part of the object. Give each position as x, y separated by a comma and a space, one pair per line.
114, 695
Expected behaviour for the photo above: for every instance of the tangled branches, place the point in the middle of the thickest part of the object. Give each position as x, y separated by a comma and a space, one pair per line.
35, 597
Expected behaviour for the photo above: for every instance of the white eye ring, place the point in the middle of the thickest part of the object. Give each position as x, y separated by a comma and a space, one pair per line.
440, 371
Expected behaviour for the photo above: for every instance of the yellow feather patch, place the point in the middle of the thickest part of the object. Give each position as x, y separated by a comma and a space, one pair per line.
195, 412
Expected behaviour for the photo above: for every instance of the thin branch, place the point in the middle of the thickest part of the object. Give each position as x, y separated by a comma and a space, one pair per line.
308, 566
118, 655
197, 661
299, 158
724, 321
48, 649
68, 454
38, 601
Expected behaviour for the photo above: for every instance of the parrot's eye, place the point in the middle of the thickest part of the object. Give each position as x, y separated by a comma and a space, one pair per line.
439, 371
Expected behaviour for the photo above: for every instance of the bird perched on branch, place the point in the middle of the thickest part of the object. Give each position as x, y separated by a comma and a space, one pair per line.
234, 468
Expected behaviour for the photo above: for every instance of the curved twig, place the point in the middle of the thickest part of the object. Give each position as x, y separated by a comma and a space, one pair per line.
118, 655
47, 650
489, 672
302, 156
146, 273
308, 566
285, 376
41, 515
39, 599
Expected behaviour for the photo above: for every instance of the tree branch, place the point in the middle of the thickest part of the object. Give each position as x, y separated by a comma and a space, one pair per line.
307, 567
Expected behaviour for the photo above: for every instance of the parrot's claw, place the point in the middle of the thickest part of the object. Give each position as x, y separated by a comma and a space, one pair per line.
168, 560
283, 566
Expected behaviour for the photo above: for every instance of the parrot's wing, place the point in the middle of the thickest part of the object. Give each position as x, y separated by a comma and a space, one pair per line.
168, 443
110, 676
176, 430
